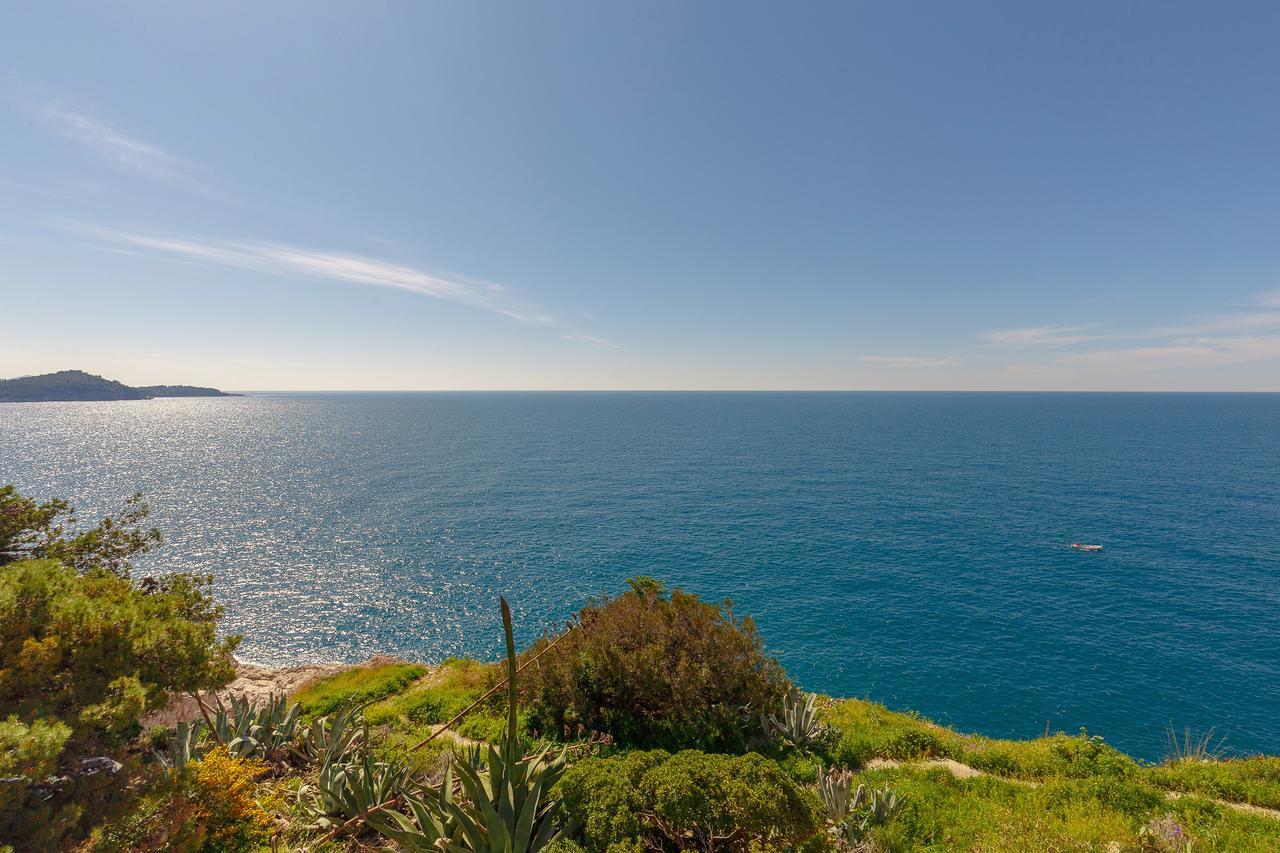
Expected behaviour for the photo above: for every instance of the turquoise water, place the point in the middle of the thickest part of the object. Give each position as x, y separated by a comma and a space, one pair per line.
912, 548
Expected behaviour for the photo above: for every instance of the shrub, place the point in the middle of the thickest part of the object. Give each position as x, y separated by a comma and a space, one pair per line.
910, 744
211, 806
689, 800
655, 670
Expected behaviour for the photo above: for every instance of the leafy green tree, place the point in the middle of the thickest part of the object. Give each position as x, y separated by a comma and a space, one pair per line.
32, 530
84, 652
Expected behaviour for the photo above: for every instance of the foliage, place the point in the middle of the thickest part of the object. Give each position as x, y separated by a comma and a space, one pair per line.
654, 669
798, 725
1200, 746
1254, 780
357, 686
222, 788
333, 739
212, 805
182, 747
265, 730
1165, 834
689, 800
430, 823
511, 809
839, 798
95, 651
345, 790
507, 806
30, 530
31, 750
85, 651
859, 826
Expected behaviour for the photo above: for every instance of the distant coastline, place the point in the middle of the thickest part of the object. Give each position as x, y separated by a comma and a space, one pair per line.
77, 385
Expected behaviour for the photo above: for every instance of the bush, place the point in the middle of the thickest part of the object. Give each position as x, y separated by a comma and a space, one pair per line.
211, 806
689, 800
655, 670
911, 744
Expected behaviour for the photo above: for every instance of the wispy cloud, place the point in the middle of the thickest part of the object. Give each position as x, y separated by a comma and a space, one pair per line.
1039, 336
122, 150
1189, 353
298, 262
1207, 341
604, 343
910, 360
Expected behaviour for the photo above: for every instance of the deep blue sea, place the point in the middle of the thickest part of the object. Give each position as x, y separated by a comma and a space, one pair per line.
907, 547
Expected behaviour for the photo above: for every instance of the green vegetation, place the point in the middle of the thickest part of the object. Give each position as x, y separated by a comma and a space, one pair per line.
653, 669
357, 686
84, 652
692, 799
657, 723
1254, 780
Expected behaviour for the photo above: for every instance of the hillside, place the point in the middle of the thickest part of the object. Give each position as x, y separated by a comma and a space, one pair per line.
73, 385
652, 721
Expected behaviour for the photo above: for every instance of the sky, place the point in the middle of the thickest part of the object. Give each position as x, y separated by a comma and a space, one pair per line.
642, 195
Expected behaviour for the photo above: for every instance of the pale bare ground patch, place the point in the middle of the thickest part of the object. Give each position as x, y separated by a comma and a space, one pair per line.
252, 681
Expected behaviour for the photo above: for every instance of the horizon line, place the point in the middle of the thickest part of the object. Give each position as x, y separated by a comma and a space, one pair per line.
269, 391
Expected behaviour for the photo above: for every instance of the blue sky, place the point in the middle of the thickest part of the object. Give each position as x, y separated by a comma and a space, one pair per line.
643, 195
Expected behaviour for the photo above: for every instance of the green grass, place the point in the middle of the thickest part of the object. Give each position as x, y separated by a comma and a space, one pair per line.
865, 730
454, 685
357, 686
943, 813
1060, 792
1253, 780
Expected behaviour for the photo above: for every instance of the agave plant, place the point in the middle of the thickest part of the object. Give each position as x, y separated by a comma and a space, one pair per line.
510, 811
883, 807
249, 730
506, 807
798, 725
429, 827
346, 790
335, 739
835, 788
183, 746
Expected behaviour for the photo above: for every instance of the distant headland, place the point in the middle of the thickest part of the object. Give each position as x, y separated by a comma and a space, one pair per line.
71, 385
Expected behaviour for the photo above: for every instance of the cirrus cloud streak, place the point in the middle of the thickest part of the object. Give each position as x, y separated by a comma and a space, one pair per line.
297, 262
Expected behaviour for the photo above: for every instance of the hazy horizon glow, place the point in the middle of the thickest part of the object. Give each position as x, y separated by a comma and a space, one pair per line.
600, 196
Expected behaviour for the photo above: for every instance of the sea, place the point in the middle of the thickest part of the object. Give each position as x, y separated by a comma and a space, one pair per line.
910, 548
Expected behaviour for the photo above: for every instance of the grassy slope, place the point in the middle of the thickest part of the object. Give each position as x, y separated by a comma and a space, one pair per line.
1054, 793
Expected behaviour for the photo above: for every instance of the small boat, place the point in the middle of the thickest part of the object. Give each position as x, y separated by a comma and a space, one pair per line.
1081, 546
